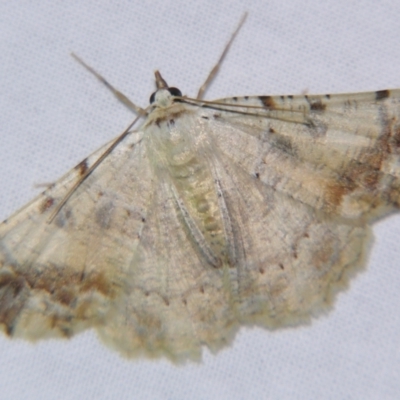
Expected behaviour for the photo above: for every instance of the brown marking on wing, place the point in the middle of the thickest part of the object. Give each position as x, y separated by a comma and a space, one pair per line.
58, 285
382, 94
393, 139
365, 174
334, 194
12, 287
63, 324
99, 283
82, 167
47, 203
317, 105
268, 102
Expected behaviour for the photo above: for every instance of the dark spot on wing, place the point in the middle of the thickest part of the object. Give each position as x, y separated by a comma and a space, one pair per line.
328, 96
64, 296
281, 266
268, 102
204, 117
82, 167
283, 143
317, 105
257, 174
12, 299
395, 140
54, 284
316, 127
290, 97
103, 215
335, 192
234, 98
62, 217
246, 97
47, 203
382, 94
171, 122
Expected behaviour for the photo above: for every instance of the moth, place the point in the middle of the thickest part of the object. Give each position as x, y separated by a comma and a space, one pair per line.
208, 216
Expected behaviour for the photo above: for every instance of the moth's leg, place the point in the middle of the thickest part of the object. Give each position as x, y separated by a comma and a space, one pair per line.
120, 96
214, 71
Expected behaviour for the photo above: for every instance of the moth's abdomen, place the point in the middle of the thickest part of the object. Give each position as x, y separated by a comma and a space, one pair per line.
195, 192
181, 157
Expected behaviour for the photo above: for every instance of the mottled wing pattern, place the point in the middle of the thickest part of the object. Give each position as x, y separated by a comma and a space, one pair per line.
302, 178
254, 211
340, 154
60, 277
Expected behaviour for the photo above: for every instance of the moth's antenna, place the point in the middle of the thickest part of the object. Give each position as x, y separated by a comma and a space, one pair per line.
214, 71
119, 95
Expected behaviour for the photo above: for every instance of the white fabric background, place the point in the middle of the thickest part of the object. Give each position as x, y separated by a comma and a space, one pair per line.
53, 114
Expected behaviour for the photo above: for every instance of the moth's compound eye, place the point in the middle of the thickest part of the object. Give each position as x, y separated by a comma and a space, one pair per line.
152, 98
175, 92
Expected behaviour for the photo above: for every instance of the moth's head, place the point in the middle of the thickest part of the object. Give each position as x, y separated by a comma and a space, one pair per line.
164, 96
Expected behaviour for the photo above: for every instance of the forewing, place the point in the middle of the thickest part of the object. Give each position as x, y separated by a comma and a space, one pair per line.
58, 277
339, 154
302, 177
117, 257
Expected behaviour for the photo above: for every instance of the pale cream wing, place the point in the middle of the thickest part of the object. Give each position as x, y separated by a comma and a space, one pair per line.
292, 260
60, 277
178, 293
339, 154
175, 300
212, 219
118, 257
301, 179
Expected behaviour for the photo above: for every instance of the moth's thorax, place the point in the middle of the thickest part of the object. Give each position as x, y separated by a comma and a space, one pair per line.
160, 115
